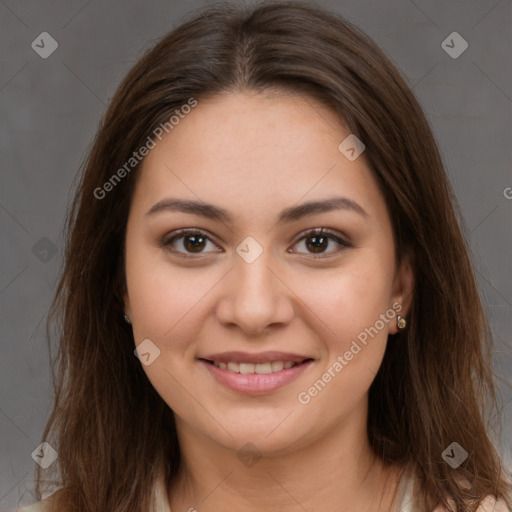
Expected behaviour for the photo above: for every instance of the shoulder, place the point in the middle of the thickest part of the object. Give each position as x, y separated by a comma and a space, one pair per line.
408, 490
488, 504
40, 506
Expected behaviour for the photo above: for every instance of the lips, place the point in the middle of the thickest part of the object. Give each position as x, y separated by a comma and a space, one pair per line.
255, 373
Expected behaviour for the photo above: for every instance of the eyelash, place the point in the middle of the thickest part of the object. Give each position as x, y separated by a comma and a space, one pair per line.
314, 232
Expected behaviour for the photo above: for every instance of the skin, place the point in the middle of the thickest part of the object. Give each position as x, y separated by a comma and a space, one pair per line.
254, 155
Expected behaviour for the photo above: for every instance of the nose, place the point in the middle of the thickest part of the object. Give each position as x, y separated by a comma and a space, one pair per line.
255, 297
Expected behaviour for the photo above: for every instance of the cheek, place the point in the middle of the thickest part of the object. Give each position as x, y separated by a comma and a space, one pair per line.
162, 296
350, 316
165, 303
350, 298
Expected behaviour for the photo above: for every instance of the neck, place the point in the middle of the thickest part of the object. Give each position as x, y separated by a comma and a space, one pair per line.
336, 469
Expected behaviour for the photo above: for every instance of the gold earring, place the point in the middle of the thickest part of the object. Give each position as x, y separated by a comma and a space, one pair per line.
401, 322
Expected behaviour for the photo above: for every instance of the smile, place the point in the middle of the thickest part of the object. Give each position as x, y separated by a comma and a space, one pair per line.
255, 378
248, 368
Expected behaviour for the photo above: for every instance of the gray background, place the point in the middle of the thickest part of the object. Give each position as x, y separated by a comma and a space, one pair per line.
50, 108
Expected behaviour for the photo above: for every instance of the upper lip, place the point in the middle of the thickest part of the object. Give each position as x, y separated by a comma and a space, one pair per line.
261, 357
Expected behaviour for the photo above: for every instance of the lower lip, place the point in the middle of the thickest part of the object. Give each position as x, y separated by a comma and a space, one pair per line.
256, 383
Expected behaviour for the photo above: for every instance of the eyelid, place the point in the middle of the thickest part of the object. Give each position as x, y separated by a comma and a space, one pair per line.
185, 231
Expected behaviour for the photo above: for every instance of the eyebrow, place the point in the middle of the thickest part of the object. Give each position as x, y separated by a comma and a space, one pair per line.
286, 216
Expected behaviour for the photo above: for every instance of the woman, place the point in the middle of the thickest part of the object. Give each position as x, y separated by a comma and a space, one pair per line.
267, 302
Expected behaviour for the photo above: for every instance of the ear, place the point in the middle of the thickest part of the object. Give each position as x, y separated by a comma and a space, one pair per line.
121, 292
126, 302
403, 288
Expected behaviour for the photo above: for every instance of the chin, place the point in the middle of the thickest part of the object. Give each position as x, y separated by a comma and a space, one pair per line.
268, 440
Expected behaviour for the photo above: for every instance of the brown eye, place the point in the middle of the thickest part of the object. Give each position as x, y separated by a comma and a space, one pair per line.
187, 242
317, 241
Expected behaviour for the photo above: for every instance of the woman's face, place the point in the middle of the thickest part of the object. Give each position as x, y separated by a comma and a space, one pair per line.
251, 292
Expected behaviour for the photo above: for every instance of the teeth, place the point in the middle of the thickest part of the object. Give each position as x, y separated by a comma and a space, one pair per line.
263, 368
234, 367
247, 368
250, 368
277, 366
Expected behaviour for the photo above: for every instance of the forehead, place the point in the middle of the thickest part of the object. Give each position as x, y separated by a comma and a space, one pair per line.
252, 127
252, 151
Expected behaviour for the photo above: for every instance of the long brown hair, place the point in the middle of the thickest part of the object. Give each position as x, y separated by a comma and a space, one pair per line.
113, 432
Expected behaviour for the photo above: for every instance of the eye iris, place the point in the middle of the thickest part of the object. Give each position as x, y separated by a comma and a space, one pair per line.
198, 242
318, 244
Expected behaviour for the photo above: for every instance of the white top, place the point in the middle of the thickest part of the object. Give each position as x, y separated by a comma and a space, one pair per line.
402, 503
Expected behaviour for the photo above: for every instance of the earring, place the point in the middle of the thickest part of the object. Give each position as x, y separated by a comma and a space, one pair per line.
401, 322
127, 319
